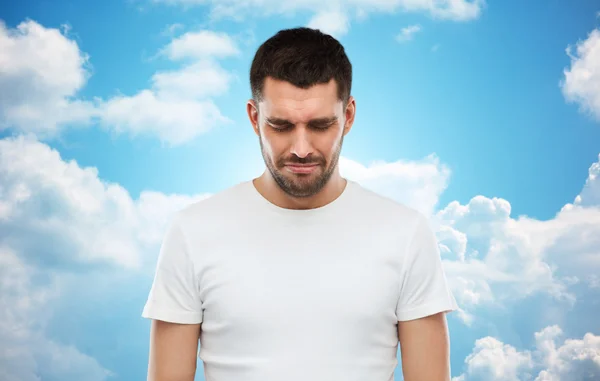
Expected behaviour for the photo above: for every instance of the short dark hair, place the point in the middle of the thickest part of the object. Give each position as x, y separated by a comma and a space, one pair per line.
303, 57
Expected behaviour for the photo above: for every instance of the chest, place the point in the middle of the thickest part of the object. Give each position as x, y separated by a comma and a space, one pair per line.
296, 280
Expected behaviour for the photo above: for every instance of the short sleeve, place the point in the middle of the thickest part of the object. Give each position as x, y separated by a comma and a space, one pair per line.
424, 288
174, 293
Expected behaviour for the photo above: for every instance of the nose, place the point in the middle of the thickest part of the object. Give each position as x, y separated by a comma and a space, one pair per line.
301, 146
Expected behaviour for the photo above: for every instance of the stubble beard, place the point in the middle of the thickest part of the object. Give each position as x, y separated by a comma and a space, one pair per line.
300, 185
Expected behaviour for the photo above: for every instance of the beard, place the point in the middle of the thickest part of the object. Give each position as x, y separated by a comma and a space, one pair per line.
302, 185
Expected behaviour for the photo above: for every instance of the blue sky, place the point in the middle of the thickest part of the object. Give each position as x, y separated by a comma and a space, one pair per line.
484, 115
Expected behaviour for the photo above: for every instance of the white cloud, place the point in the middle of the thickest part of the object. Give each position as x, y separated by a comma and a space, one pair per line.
574, 359
59, 220
75, 217
454, 10
333, 22
575, 230
590, 195
493, 360
24, 307
414, 183
581, 82
201, 45
452, 242
199, 80
41, 73
506, 259
174, 120
407, 33
42, 70
178, 107
499, 259
457, 10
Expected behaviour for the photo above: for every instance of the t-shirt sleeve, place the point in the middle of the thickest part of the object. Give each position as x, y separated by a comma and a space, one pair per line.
174, 295
424, 288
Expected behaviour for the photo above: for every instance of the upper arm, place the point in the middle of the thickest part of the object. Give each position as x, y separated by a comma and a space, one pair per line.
175, 309
424, 299
173, 351
425, 348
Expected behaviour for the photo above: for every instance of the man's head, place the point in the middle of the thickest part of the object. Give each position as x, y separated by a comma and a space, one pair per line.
301, 107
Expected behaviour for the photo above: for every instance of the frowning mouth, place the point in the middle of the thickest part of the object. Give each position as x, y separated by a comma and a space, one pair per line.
301, 168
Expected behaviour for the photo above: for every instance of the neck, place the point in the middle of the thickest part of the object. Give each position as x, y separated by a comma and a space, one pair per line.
266, 185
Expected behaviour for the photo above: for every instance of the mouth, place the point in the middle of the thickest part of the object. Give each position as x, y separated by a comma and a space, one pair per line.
301, 168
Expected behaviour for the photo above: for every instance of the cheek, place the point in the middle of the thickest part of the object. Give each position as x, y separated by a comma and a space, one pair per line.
270, 145
333, 143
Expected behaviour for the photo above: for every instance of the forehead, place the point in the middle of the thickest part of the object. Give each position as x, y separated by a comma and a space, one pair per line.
283, 100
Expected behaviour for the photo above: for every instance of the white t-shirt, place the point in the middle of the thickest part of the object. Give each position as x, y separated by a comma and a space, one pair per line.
298, 295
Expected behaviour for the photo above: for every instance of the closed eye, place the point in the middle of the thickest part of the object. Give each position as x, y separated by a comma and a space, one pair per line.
323, 123
281, 127
320, 124
278, 123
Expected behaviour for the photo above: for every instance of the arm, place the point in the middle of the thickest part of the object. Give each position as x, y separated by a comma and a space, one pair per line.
173, 351
425, 298
175, 309
425, 348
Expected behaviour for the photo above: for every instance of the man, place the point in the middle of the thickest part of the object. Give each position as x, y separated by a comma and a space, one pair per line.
299, 274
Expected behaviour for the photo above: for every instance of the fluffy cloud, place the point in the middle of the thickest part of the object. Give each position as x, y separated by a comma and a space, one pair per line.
574, 359
75, 217
493, 360
415, 183
581, 82
41, 73
333, 22
407, 33
178, 107
457, 10
27, 296
174, 120
59, 220
335, 19
590, 195
201, 45
501, 259
497, 252
42, 70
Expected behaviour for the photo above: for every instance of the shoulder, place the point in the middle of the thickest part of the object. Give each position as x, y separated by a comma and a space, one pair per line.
212, 208
385, 208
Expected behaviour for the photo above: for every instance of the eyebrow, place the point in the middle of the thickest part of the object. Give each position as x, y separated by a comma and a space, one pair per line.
316, 121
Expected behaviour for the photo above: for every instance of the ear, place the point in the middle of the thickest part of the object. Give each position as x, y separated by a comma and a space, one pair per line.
252, 110
350, 112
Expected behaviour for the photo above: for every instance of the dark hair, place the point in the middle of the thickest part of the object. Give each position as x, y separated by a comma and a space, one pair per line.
303, 57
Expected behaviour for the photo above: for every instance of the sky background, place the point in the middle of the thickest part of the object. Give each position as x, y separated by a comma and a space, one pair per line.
485, 116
